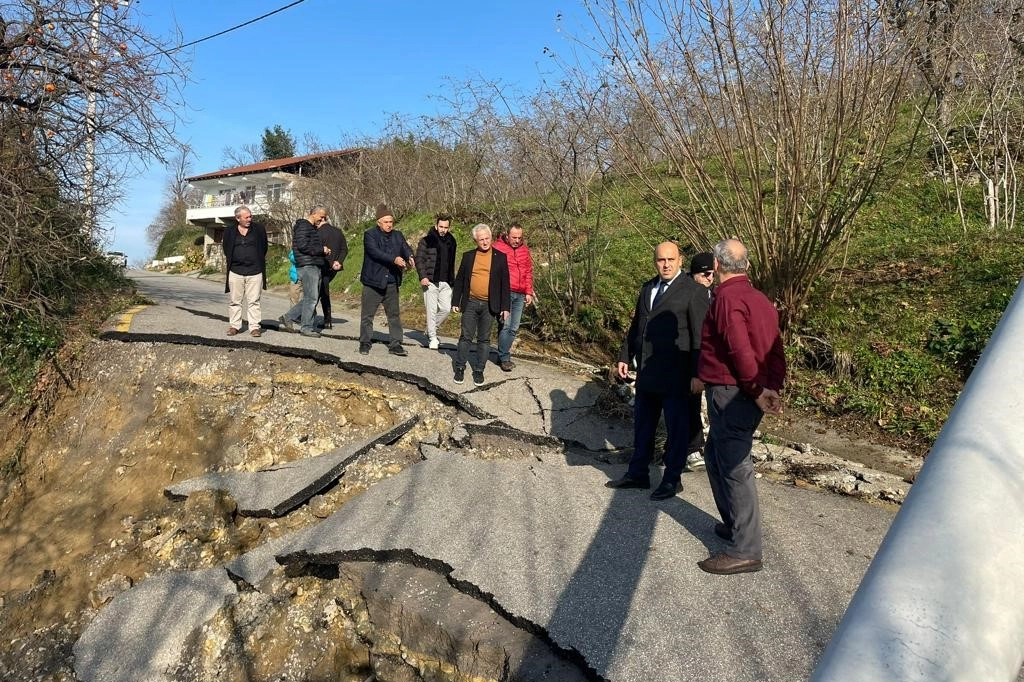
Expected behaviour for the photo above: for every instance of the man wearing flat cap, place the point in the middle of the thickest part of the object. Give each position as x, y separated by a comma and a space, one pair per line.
386, 255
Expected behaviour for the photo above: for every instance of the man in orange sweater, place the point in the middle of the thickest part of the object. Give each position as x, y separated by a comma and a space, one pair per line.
481, 293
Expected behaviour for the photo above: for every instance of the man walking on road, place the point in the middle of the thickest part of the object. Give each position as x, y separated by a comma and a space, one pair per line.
309, 261
664, 340
742, 368
333, 239
435, 264
520, 272
386, 255
481, 293
245, 253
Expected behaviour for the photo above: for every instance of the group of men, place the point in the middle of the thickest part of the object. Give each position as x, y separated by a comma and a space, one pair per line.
490, 284
683, 342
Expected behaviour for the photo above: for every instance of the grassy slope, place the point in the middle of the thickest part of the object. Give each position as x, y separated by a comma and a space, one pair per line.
891, 331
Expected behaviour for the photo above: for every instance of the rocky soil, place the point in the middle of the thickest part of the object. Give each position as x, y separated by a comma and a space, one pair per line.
84, 518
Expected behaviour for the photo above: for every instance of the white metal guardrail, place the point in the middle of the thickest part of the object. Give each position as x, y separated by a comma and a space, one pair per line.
943, 599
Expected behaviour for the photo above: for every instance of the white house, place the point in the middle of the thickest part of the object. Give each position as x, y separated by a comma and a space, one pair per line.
265, 187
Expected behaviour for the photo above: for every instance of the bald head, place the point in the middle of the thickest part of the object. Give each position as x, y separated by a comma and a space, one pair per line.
667, 259
731, 258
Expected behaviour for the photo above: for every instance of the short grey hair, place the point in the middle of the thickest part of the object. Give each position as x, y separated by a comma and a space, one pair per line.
317, 209
731, 256
243, 207
481, 227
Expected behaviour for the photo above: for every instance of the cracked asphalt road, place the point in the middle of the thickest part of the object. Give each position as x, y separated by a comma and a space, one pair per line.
606, 575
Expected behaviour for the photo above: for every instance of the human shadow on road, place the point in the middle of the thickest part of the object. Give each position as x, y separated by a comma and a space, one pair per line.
596, 603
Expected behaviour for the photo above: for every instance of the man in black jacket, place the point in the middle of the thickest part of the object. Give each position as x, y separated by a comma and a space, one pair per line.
245, 254
309, 260
435, 264
481, 293
333, 239
664, 340
386, 255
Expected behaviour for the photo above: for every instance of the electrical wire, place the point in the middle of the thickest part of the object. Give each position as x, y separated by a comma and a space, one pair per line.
235, 28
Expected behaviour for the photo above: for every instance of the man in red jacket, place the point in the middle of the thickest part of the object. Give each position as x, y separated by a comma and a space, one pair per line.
742, 367
520, 271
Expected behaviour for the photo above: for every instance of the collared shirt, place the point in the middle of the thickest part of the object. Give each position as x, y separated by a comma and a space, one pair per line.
740, 343
654, 289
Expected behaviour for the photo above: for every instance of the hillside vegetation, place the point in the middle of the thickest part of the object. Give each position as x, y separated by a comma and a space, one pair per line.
890, 333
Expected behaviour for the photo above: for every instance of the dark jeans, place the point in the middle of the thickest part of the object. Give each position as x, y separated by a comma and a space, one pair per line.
476, 320
734, 417
372, 299
326, 277
305, 310
647, 409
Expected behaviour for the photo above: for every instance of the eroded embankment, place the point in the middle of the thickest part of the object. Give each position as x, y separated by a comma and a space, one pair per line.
87, 518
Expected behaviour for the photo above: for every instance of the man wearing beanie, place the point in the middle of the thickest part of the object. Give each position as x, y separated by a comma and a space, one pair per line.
386, 255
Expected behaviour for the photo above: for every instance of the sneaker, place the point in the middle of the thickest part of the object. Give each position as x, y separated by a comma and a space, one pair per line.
311, 333
364, 349
507, 366
433, 345
232, 331
398, 350
694, 461
478, 378
286, 324
460, 376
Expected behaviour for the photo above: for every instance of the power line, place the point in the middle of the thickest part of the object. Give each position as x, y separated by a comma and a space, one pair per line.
235, 28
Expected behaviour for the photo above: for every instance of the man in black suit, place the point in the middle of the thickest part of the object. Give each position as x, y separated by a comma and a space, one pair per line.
664, 340
481, 292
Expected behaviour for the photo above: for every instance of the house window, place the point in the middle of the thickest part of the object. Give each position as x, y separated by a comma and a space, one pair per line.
274, 192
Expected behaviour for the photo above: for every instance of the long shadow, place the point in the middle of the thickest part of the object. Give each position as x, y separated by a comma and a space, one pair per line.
605, 583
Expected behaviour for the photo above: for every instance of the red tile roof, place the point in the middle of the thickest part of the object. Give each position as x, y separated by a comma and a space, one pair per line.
273, 164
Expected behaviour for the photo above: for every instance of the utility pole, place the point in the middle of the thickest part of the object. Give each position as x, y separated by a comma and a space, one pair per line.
90, 119
90, 112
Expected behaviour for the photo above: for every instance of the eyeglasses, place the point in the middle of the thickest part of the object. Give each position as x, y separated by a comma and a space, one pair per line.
707, 274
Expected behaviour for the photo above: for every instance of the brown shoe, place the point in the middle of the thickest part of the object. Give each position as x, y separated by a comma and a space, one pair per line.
723, 564
232, 331
508, 366
256, 332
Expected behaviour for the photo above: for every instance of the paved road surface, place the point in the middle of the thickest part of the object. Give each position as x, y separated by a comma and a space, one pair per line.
608, 574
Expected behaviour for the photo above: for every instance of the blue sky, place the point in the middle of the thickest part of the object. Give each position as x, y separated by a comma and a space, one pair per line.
332, 68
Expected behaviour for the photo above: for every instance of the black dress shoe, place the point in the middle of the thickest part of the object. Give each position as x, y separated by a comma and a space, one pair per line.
628, 481
666, 490
723, 531
723, 564
398, 350
328, 325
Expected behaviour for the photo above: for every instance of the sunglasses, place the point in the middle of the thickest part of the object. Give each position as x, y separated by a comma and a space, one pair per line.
710, 273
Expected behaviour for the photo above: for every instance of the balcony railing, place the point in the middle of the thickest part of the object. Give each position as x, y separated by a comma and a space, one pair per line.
238, 198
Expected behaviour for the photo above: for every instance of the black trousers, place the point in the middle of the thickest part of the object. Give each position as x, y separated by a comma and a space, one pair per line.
326, 276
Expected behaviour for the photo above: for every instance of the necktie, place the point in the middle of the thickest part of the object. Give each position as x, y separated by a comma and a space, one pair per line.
661, 290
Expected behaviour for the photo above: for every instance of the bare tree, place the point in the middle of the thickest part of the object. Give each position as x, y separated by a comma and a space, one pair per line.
969, 54
80, 82
770, 121
177, 197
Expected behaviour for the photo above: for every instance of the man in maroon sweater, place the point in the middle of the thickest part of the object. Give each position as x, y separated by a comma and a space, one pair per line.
742, 367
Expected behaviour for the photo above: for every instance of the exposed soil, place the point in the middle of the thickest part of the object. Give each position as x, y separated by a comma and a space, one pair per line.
84, 516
